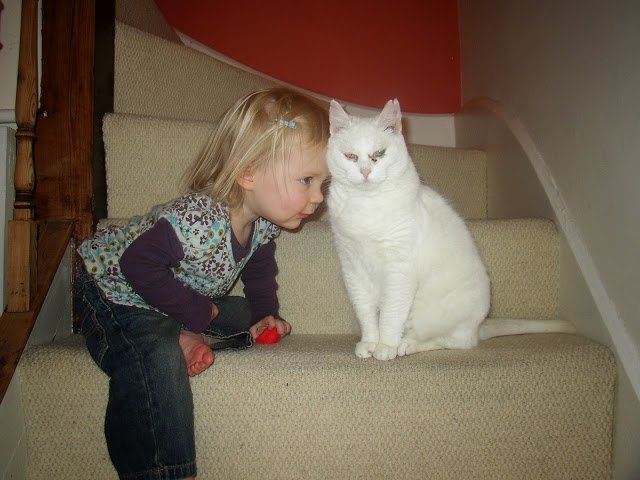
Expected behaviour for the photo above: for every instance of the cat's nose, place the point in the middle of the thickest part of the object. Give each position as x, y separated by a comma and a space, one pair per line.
365, 171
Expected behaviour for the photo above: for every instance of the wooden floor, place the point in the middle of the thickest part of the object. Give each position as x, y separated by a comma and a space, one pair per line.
15, 328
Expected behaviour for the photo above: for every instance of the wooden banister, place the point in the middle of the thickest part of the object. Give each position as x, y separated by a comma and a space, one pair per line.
62, 195
23, 228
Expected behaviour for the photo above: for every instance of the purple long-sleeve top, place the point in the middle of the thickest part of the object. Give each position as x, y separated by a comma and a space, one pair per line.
147, 265
182, 255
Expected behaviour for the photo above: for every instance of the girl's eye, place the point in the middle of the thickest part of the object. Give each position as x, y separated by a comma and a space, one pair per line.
351, 156
306, 180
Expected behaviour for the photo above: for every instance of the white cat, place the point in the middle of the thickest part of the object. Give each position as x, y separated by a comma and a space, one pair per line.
410, 266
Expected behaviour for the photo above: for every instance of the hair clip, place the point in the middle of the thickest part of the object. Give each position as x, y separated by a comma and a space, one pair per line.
287, 123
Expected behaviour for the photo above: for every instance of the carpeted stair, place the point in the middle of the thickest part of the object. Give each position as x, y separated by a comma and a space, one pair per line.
521, 407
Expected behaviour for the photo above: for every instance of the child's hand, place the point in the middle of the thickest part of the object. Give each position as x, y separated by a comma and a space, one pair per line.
281, 326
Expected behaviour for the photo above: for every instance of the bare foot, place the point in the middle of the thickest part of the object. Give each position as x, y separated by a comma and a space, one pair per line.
197, 354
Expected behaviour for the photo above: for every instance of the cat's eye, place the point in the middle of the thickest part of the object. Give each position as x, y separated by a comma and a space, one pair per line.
377, 154
351, 156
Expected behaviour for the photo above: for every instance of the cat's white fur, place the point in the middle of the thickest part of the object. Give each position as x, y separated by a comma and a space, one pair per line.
410, 266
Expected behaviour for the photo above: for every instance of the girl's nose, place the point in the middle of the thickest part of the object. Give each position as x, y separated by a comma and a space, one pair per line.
317, 196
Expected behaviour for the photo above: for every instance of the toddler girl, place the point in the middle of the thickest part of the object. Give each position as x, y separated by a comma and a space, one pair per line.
152, 296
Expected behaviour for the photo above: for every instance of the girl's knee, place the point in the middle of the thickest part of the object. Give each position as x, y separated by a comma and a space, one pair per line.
234, 316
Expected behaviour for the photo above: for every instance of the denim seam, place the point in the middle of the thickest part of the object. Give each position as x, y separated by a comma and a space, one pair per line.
166, 472
96, 326
223, 337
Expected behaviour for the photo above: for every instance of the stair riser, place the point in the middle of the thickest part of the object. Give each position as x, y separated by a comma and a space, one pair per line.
164, 149
521, 257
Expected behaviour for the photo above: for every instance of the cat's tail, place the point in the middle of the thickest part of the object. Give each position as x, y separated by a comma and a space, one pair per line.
498, 327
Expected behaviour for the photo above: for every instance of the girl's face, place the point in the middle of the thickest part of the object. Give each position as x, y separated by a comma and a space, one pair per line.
287, 194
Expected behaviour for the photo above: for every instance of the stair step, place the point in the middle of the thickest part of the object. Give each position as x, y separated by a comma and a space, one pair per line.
158, 77
145, 15
163, 149
458, 174
522, 407
521, 257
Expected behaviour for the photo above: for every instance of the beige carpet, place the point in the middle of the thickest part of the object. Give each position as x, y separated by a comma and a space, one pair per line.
142, 149
526, 407
150, 78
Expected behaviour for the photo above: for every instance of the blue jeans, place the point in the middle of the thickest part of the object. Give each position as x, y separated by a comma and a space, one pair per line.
149, 420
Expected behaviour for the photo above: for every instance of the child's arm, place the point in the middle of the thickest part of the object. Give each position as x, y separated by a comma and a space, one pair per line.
260, 289
146, 264
260, 286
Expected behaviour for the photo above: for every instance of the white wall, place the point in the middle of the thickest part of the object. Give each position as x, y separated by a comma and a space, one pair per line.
10, 39
570, 72
7, 193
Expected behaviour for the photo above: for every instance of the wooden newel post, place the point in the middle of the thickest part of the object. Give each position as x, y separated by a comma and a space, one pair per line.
23, 228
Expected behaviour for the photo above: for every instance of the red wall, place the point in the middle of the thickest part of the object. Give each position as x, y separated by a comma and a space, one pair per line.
360, 51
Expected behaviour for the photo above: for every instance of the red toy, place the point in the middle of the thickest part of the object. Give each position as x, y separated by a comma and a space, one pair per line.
268, 335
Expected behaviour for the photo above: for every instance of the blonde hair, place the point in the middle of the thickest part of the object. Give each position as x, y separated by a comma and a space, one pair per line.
256, 132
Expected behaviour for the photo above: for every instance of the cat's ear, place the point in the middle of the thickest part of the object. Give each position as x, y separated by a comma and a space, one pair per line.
391, 118
338, 118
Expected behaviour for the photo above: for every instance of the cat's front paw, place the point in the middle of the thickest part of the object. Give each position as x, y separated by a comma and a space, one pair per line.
365, 349
385, 352
407, 347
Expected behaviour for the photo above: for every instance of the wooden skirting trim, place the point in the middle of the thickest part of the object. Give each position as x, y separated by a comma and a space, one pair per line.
15, 327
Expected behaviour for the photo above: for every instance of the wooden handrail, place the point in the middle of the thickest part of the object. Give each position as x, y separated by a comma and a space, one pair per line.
23, 228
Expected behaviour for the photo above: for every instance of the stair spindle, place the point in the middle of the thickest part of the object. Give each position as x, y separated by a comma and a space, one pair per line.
23, 228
